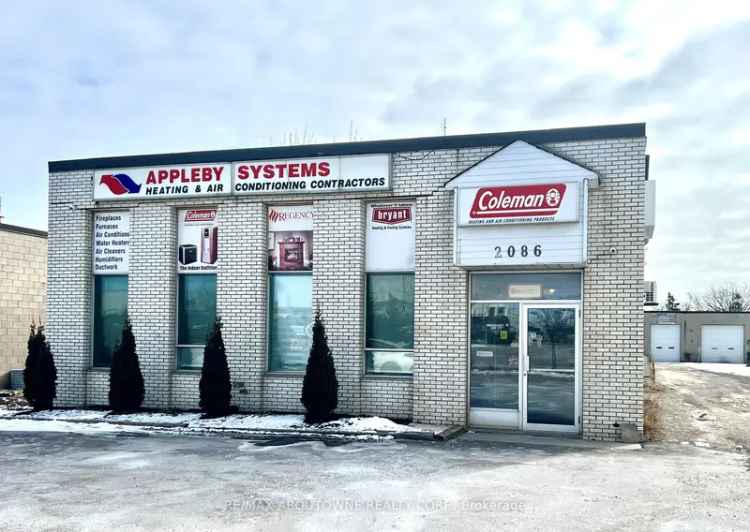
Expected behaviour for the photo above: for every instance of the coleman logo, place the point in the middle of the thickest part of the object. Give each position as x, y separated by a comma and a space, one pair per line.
391, 215
202, 215
518, 201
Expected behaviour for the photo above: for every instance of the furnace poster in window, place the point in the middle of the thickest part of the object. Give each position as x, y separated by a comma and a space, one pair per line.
197, 241
290, 238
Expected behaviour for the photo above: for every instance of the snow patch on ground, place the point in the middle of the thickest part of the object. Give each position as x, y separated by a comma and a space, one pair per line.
731, 369
154, 418
367, 424
251, 422
363, 427
54, 425
68, 415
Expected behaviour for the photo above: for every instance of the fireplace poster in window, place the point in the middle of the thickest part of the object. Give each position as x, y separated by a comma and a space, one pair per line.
290, 238
197, 241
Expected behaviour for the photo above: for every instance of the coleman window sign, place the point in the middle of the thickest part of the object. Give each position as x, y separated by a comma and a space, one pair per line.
197, 241
390, 237
322, 174
111, 242
519, 204
290, 237
163, 182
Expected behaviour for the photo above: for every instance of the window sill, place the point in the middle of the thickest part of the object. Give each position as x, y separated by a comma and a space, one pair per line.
99, 370
285, 374
187, 371
388, 376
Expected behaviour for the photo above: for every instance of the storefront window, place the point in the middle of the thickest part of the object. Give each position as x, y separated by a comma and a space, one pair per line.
196, 313
389, 326
290, 321
110, 311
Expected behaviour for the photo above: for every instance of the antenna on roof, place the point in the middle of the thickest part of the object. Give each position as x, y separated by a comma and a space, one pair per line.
445, 126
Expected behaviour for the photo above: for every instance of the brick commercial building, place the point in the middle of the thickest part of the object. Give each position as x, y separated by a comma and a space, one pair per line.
23, 290
490, 280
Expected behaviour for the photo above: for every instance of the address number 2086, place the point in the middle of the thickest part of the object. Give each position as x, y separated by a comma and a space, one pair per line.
511, 251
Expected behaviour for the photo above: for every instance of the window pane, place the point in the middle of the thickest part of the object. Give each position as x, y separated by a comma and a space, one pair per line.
390, 311
110, 311
494, 355
290, 321
197, 308
389, 361
190, 357
504, 286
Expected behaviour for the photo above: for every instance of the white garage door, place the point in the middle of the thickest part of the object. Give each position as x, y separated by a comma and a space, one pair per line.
722, 343
665, 343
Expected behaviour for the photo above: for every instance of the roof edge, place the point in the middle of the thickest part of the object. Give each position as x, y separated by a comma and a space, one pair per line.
539, 136
23, 230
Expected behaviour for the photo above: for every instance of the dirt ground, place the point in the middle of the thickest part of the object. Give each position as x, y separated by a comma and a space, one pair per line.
701, 405
12, 400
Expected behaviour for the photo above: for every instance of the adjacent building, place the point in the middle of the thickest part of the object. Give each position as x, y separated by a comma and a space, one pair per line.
491, 280
23, 291
696, 336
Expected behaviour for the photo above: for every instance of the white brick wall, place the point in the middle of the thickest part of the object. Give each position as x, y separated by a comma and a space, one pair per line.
437, 393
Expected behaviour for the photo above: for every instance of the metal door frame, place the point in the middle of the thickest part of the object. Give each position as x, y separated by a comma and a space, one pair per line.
524, 367
516, 419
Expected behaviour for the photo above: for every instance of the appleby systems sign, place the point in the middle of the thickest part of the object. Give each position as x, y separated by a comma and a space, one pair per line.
298, 176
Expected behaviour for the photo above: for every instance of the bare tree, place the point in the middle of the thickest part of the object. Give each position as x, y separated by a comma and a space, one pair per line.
731, 297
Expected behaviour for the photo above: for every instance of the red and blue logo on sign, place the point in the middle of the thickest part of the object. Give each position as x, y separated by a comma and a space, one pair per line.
119, 184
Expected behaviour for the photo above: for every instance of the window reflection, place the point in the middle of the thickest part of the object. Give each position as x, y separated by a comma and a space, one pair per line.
494, 355
290, 321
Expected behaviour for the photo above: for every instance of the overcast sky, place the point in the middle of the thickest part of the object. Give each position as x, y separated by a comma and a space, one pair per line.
83, 79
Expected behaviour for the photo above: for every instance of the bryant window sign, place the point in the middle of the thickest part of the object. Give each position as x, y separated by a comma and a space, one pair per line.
356, 173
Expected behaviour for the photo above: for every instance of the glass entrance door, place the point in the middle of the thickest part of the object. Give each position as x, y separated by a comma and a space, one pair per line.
494, 357
550, 379
525, 350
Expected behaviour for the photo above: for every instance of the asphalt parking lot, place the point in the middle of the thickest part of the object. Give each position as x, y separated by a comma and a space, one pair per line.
122, 481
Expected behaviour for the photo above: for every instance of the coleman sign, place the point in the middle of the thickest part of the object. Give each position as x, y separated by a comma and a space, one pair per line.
323, 174
163, 182
519, 204
197, 241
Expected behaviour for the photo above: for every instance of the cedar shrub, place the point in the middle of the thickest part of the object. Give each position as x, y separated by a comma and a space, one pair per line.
320, 387
215, 386
126, 389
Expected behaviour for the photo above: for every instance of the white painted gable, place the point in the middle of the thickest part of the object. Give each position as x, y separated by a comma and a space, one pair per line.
558, 240
519, 163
